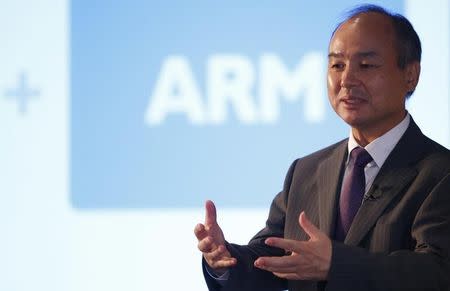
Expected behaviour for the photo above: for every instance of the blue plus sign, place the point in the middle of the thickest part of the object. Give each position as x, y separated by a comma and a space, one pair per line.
22, 93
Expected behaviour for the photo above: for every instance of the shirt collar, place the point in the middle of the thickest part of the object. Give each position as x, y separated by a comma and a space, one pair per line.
381, 147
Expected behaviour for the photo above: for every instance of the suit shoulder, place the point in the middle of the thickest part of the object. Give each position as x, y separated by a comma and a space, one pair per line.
325, 152
314, 158
437, 156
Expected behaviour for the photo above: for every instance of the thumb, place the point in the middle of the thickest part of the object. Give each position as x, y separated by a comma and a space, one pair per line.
211, 216
308, 226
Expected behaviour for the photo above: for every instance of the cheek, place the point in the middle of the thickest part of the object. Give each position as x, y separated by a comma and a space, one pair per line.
332, 98
333, 85
382, 90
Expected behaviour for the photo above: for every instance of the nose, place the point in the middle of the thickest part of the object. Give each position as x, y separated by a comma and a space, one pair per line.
349, 78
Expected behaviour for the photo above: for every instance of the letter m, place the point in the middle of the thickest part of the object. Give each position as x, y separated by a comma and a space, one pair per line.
307, 80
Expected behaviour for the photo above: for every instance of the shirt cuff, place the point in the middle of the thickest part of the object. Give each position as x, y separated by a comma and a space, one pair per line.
222, 279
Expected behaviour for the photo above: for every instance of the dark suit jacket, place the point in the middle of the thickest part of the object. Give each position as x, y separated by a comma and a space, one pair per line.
399, 239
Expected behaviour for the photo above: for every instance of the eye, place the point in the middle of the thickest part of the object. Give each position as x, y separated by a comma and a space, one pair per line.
337, 66
368, 66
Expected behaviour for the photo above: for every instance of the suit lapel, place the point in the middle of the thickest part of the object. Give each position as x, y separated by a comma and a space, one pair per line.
396, 173
329, 180
379, 196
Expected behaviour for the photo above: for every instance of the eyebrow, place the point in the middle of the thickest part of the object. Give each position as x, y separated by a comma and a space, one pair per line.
359, 54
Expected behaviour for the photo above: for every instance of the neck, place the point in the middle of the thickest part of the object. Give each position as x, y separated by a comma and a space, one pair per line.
366, 134
362, 138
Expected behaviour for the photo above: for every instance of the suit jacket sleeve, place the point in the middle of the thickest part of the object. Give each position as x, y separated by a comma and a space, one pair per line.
244, 276
425, 267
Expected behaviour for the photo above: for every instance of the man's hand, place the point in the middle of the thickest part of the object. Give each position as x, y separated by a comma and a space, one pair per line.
211, 242
307, 260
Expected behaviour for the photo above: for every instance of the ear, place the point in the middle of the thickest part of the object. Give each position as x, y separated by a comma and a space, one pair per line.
412, 72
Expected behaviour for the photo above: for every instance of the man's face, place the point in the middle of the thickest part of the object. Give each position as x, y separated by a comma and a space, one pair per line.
366, 87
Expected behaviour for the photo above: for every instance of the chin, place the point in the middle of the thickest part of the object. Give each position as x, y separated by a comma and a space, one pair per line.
352, 119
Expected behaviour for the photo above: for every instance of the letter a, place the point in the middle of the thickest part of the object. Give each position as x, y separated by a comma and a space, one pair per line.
175, 92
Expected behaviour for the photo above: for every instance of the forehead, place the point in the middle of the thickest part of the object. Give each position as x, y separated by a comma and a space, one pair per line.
364, 32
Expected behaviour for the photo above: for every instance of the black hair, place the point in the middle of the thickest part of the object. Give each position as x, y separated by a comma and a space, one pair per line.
407, 42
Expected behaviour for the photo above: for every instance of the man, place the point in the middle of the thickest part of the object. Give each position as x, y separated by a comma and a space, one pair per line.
371, 212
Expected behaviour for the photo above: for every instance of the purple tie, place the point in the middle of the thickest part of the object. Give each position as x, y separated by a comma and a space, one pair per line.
353, 188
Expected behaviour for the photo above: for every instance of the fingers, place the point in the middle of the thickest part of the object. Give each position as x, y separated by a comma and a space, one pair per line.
219, 258
285, 264
200, 231
292, 267
220, 251
211, 240
210, 246
308, 226
286, 244
207, 245
211, 215
222, 263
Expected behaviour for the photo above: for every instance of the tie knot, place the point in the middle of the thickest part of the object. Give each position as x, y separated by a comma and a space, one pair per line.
360, 156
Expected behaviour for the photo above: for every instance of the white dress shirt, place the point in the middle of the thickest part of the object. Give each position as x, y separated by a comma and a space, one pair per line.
379, 149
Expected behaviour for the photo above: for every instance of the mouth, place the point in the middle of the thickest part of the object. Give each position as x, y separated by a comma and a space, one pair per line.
351, 102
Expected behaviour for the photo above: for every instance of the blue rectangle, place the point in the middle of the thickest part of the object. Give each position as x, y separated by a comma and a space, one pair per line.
123, 51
